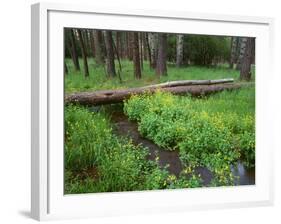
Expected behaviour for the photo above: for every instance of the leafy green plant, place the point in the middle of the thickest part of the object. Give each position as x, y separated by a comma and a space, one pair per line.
96, 160
210, 132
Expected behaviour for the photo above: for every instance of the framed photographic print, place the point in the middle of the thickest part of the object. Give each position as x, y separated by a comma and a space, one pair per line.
138, 111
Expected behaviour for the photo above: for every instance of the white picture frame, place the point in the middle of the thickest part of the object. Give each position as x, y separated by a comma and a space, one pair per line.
48, 201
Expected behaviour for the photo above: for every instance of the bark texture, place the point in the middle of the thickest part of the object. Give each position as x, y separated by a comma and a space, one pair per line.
99, 55
73, 50
84, 53
110, 65
161, 67
152, 41
233, 55
245, 71
242, 47
193, 87
179, 61
136, 55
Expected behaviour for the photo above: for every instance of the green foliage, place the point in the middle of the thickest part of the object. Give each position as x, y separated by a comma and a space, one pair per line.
200, 49
118, 165
206, 50
87, 135
213, 132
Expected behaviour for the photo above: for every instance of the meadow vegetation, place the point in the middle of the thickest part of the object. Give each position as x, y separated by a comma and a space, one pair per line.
213, 132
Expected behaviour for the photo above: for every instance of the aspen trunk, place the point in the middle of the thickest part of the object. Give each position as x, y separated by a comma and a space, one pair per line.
153, 49
242, 47
179, 61
245, 72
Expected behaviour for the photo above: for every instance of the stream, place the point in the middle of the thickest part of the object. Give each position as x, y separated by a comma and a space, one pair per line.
126, 128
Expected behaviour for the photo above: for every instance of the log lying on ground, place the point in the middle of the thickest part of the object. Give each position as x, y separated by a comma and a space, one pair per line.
117, 96
190, 83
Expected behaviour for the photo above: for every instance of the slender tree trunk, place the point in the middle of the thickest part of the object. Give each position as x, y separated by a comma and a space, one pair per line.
148, 50
127, 45
73, 49
153, 49
86, 41
161, 67
65, 69
145, 53
141, 51
98, 47
119, 43
131, 46
233, 54
92, 42
136, 55
84, 54
124, 43
254, 51
179, 50
110, 65
242, 48
245, 71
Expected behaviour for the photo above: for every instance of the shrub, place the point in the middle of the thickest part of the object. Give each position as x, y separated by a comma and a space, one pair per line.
208, 132
119, 165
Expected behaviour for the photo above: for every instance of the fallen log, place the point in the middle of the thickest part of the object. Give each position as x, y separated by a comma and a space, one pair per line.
117, 96
190, 82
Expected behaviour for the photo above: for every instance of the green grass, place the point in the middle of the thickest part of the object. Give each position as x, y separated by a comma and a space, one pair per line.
214, 132
75, 81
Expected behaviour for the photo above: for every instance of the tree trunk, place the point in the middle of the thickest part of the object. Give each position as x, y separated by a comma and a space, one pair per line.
242, 47
145, 53
119, 43
152, 39
148, 49
99, 56
86, 41
254, 51
179, 50
92, 42
125, 45
136, 55
161, 67
84, 54
117, 96
245, 71
110, 65
65, 69
73, 50
141, 50
233, 54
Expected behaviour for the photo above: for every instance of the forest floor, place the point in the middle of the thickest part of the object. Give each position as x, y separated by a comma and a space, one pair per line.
74, 81
115, 127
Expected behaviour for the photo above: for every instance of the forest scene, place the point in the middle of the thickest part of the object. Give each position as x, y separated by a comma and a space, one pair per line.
151, 111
